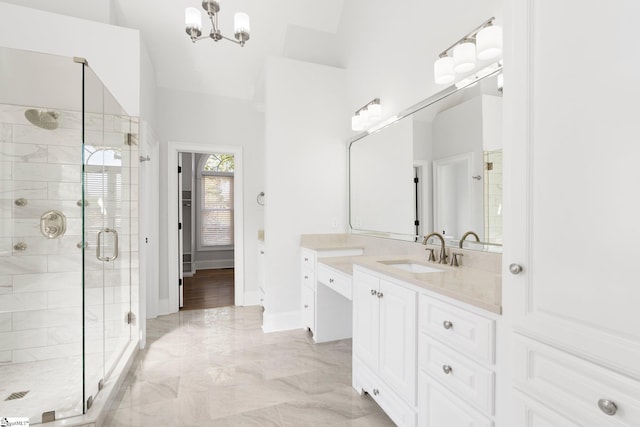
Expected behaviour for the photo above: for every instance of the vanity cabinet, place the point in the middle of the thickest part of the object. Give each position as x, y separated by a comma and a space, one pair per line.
571, 299
456, 362
384, 344
325, 294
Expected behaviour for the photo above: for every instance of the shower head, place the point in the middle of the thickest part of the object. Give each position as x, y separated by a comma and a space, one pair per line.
42, 119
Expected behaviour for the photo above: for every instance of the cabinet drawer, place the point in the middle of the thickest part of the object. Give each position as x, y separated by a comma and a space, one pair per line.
341, 283
437, 407
573, 386
466, 332
308, 259
464, 377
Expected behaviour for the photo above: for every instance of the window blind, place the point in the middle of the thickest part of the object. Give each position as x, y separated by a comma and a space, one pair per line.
217, 211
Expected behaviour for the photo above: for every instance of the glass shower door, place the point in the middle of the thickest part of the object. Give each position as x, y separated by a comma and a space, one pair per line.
107, 227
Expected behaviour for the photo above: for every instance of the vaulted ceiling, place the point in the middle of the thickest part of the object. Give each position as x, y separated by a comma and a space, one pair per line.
278, 27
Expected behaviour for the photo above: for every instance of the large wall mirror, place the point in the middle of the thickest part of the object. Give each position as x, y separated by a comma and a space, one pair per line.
436, 168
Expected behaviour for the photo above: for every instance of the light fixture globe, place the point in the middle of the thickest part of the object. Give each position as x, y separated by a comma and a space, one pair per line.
489, 42
193, 22
443, 72
356, 123
241, 27
464, 57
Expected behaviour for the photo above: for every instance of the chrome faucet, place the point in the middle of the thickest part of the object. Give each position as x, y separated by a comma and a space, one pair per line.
467, 234
443, 252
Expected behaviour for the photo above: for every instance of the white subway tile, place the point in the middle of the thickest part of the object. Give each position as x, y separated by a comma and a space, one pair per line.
65, 155
65, 191
5, 357
64, 263
56, 137
66, 244
23, 264
47, 318
47, 352
6, 171
64, 299
23, 302
29, 190
64, 335
6, 247
47, 282
23, 153
47, 172
23, 339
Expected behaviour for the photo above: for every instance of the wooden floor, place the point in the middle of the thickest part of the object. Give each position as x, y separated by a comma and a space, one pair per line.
209, 289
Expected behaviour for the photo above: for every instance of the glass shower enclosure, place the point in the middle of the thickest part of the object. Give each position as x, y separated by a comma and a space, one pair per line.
68, 235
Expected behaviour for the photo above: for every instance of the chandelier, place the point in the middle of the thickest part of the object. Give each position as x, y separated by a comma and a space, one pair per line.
193, 23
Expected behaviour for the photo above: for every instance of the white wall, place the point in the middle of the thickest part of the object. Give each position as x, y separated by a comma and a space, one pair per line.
201, 118
305, 174
112, 52
94, 10
389, 47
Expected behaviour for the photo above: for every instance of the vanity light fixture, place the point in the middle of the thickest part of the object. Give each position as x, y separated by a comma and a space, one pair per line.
193, 23
483, 43
367, 116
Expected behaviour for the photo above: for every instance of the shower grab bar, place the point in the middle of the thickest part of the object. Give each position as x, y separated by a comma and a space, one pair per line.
115, 245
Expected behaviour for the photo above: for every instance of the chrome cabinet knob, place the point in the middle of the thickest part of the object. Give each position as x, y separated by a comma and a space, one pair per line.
376, 392
607, 406
306, 277
447, 369
330, 280
447, 325
306, 306
374, 292
515, 268
306, 259
380, 294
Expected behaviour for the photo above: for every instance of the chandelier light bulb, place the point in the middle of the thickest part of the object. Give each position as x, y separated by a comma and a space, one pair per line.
192, 18
464, 57
443, 72
241, 23
489, 42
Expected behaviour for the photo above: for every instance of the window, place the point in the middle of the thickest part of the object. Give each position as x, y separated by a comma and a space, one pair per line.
216, 209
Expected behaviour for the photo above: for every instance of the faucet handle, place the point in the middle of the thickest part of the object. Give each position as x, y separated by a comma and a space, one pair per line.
454, 259
432, 255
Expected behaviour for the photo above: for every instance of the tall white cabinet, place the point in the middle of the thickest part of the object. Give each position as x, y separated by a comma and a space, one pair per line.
572, 213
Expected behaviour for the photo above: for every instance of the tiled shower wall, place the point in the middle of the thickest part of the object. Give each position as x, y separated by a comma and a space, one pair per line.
493, 197
41, 314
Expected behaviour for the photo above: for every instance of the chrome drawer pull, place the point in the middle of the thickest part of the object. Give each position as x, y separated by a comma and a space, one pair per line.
447, 369
607, 406
447, 324
330, 280
374, 292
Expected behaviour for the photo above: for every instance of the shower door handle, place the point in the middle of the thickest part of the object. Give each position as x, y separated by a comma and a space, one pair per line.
99, 254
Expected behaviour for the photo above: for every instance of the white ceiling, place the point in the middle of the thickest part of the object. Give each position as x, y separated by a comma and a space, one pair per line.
278, 27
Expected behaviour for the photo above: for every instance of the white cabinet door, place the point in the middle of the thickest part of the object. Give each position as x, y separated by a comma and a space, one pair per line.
571, 178
398, 338
366, 331
308, 308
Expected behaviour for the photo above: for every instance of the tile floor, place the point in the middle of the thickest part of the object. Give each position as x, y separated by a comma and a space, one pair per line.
215, 367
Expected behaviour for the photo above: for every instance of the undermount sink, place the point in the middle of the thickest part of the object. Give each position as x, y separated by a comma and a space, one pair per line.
410, 266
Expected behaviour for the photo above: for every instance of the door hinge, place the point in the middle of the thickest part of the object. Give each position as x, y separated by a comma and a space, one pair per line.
179, 226
179, 169
416, 180
179, 282
416, 223
130, 318
130, 139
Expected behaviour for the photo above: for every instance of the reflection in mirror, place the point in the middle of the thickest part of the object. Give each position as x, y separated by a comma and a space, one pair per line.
437, 168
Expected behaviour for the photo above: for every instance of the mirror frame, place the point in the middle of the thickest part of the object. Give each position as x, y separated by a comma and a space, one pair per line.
489, 71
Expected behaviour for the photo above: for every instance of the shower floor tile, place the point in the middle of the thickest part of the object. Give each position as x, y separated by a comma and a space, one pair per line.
52, 385
215, 367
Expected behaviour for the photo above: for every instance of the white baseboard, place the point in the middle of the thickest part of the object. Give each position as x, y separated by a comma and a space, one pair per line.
274, 322
209, 265
252, 298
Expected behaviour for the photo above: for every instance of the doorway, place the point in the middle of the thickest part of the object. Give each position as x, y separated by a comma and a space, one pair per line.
206, 229
234, 259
